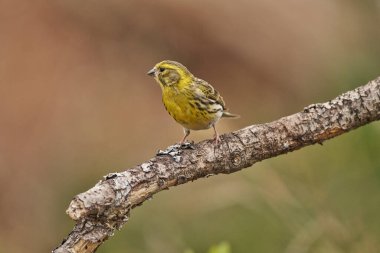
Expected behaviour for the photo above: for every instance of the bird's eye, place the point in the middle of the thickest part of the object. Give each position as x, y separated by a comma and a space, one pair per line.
161, 69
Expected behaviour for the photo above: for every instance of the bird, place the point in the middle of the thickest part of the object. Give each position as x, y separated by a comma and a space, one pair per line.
191, 101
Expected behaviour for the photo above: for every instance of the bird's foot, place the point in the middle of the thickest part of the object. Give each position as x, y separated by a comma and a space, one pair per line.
176, 150
186, 144
216, 139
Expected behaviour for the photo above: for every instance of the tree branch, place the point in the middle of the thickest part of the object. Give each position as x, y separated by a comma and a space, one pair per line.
105, 207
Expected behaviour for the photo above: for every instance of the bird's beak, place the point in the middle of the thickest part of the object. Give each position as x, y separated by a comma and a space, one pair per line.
152, 72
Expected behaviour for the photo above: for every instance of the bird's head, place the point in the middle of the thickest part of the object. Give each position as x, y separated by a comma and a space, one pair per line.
170, 74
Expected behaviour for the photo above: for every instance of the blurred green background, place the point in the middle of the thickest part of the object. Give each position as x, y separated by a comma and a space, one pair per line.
76, 104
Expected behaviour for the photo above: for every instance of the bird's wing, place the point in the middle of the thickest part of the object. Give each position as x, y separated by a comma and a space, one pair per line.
208, 92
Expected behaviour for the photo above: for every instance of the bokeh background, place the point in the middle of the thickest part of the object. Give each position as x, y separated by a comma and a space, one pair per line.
76, 104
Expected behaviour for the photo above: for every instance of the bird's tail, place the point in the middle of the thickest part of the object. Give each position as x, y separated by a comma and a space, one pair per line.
229, 115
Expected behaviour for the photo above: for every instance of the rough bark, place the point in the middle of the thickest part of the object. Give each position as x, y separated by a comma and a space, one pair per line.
105, 207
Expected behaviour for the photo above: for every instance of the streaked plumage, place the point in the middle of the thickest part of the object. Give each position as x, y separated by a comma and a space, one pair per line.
191, 101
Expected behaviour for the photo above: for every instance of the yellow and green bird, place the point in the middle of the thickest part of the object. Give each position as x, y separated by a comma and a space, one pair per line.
191, 101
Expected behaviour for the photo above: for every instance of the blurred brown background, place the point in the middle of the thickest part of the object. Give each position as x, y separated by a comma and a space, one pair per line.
76, 104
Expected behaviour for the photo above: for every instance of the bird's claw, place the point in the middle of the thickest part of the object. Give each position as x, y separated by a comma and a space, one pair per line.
187, 145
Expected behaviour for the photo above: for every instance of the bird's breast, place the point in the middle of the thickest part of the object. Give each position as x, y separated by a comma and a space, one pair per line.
191, 115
